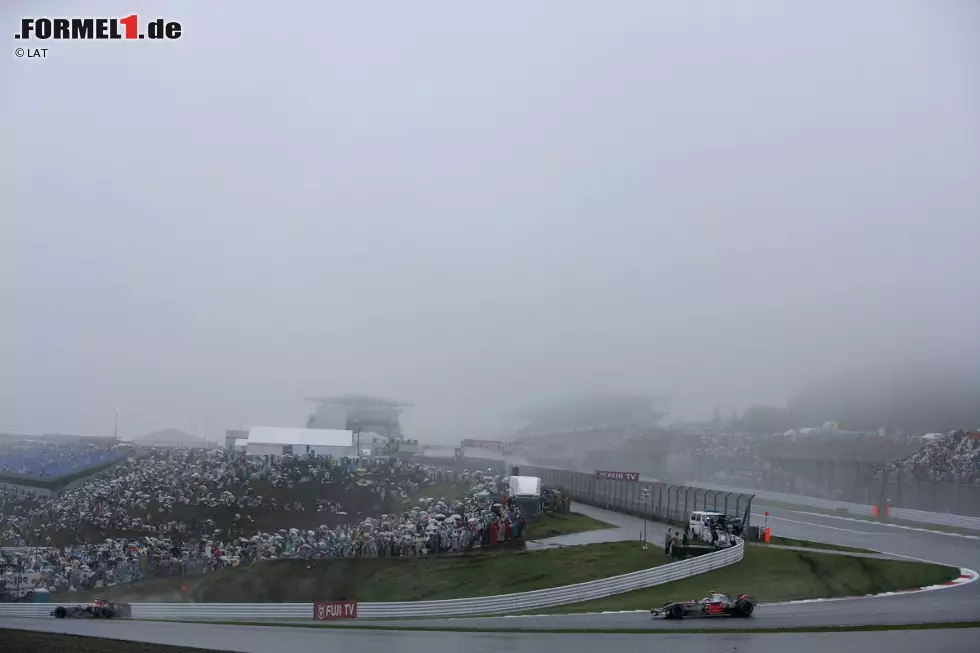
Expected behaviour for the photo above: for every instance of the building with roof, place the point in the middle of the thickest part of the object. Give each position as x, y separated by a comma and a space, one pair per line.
232, 436
276, 441
171, 438
358, 413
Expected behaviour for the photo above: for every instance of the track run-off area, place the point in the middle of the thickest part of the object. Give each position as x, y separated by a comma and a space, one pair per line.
955, 603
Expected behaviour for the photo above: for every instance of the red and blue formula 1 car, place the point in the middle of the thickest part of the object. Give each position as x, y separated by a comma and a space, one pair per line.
97, 609
716, 605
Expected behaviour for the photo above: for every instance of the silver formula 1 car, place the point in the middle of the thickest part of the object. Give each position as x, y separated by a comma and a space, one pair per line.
97, 609
716, 605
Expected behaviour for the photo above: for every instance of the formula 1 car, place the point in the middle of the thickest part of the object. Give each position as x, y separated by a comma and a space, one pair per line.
97, 609
716, 605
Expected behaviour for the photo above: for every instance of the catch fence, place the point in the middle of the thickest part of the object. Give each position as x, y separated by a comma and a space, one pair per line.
649, 499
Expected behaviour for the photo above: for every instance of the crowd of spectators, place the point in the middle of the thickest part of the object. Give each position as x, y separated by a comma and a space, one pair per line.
954, 456
179, 512
724, 445
55, 460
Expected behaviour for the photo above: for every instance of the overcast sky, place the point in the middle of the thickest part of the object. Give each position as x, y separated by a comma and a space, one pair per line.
472, 206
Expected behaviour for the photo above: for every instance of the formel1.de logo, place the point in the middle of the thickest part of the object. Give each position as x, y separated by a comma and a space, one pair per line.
81, 29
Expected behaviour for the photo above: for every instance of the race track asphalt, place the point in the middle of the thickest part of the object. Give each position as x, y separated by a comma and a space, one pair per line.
266, 639
960, 603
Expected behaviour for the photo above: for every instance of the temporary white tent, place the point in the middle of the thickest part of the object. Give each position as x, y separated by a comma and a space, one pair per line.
273, 440
525, 486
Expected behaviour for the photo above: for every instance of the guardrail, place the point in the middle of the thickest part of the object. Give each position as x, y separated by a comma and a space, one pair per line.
921, 516
941, 519
504, 603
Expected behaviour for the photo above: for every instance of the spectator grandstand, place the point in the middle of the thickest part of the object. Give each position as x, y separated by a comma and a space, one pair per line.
41, 461
180, 512
953, 457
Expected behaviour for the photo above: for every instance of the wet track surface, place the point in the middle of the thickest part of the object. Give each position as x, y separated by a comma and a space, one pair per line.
953, 604
259, 639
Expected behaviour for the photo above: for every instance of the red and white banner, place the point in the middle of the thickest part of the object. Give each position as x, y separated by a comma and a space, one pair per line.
330, 610
619, 476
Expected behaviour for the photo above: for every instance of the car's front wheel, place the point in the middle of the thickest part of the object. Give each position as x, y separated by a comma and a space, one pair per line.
677, 611
60, 612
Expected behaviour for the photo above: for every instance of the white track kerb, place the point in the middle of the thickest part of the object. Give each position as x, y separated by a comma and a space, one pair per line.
966, 576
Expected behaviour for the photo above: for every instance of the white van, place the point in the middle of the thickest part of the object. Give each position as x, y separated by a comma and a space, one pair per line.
701, 521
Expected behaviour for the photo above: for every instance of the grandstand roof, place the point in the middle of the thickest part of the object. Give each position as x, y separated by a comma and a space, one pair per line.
299, 437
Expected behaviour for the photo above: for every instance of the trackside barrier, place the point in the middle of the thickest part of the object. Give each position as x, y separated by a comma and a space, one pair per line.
921, 516
504, 603
646, 498
942, 519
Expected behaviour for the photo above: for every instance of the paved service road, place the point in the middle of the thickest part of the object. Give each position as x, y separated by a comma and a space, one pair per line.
263, 639
623, 529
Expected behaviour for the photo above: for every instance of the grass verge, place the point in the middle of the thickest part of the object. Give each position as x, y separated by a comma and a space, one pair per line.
563, 524
810, 544
772, 575
501, 571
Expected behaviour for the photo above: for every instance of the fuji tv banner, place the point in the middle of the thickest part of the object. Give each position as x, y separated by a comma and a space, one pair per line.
618, 476
331, 610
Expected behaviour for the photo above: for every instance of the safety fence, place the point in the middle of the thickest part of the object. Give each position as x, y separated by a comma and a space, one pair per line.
645, 498
938, 518
504, 603
863, 510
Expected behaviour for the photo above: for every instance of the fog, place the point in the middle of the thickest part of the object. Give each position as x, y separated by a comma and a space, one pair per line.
472, 207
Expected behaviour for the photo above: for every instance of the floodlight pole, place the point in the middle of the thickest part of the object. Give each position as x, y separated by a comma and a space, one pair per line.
646, 502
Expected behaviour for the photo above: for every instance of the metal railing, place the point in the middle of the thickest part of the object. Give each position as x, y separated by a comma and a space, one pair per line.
645, 498
504, 603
